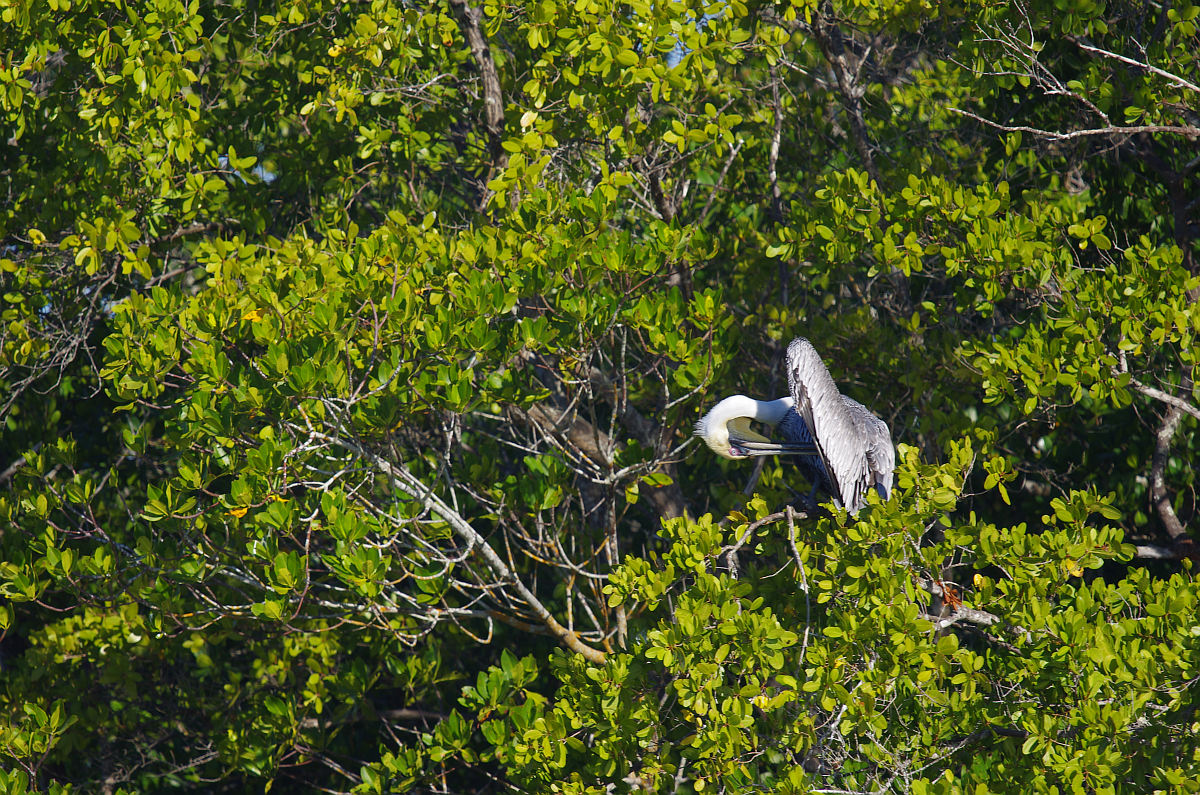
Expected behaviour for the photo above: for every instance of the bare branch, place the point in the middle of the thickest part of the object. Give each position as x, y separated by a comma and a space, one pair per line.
773, 159
979, 617
662, 202
1179, 81
833, 45
1187, 131
388, 715
1160, 497
731, 551
1155, 552
733, 151
1170, 400
668, 500
1122, 368
577, 431
405, 481
791, 517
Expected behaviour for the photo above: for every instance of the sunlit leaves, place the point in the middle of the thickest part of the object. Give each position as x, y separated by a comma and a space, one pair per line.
271, 287
711, 686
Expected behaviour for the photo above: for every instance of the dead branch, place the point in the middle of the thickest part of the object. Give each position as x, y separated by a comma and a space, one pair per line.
404, 481
1179, 81
1187, 131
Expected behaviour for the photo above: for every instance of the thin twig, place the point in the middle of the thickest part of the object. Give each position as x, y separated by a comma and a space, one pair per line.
1187, 131
408, 483
803, 581
1179, 81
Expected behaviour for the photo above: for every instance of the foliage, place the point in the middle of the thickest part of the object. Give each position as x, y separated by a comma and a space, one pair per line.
350, 355
875, 692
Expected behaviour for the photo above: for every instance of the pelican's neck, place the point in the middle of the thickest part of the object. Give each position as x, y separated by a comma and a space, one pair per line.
769, 412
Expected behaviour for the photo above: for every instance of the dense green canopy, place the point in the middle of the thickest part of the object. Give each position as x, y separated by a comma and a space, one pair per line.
350, 354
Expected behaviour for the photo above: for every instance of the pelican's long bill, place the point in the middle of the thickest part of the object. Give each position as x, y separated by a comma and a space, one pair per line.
750, 447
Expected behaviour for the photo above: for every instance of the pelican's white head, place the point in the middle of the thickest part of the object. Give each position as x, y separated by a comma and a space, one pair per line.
726, 429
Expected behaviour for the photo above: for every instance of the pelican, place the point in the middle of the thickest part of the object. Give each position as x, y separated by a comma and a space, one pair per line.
845, 449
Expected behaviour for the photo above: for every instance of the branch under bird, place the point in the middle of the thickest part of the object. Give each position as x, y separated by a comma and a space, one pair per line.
844, 449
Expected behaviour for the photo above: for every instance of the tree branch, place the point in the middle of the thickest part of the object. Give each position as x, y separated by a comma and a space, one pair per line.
1160, 497
773, 157
470, 21
730, 552
1187, 131
1179, 81
833, 45
577, 431
1154, 552
662, 202
405, 481
1169, 399
668, 500
712, 194
387, 715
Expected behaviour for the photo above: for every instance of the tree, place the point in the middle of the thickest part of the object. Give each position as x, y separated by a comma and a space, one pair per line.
351, 356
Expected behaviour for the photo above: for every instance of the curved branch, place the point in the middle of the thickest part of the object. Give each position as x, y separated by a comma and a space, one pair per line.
408, 483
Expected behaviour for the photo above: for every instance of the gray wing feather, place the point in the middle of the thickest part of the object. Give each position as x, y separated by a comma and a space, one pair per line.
880, 453
840, 443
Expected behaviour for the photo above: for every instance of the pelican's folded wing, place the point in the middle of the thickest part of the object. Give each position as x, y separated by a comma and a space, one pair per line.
839, 441
881, 453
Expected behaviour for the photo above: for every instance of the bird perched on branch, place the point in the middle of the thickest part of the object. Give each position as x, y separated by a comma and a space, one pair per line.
844, 449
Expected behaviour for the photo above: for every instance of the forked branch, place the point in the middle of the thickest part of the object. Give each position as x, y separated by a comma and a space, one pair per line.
409, 484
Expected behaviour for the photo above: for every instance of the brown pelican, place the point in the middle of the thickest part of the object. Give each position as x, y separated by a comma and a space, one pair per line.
845, 449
